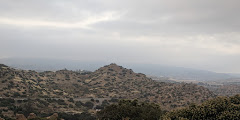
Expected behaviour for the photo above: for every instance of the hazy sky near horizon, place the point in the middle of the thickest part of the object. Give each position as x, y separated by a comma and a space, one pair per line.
203, 34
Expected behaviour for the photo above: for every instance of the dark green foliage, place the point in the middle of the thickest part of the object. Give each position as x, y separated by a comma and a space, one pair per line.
5, 102
28, 107
105, 103
6, 118
114, 100
99, 107
45, 103
2, 65
89, 105
61, 102
82, 116
221, 108
38, 118
71, 100
131, 109
3, 81
16, 94
78, 103
70, 105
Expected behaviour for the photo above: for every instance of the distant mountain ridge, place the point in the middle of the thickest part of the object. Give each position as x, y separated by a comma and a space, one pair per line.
149, 69
181, 73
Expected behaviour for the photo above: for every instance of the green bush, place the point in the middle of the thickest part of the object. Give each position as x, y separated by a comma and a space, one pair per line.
133, 110
220, 108
78, 103
89, 105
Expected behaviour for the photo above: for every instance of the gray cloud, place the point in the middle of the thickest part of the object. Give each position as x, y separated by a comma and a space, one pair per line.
200, 34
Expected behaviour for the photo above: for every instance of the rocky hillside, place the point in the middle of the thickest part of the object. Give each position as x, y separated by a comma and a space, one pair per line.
111, 81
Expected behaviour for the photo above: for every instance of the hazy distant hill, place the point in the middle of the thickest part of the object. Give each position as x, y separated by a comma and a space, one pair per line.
179, 72
228, 87
41, 64
149, 69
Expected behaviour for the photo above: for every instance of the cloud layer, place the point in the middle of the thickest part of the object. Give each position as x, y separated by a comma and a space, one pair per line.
199, 34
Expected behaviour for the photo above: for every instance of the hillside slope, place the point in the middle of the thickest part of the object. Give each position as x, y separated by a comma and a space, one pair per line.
111, 81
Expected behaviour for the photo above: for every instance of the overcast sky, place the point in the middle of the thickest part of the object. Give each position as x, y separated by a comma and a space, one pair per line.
203, 34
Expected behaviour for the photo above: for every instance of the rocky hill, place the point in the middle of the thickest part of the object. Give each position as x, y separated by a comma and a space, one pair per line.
108, 82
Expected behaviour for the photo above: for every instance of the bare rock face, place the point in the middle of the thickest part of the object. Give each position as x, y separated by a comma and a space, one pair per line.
32, 116
20, 117
53, 117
